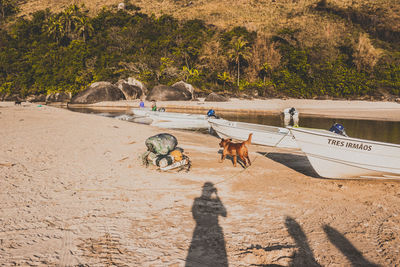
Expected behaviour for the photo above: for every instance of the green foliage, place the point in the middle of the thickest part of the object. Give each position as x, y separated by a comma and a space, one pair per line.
69, 25
290, 83
225, 78
338, 80
67, 51
190, 75
8, 8
6, 89
388, 74
235, 33
262, 88
131, 7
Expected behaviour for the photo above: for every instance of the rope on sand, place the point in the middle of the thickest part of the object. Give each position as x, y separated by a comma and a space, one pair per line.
189, 188
242, 171
182, 189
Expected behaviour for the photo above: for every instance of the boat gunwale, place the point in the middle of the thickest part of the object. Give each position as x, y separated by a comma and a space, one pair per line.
149, 113
278, 132
316, 132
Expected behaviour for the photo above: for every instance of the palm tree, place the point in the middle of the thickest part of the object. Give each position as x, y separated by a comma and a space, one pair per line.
84, 28
69, 18
239, 51
54, 29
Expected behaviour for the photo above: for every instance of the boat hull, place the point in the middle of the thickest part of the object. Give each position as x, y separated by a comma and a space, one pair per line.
174, 120
141, 111
179, 123
262, 134
336, 156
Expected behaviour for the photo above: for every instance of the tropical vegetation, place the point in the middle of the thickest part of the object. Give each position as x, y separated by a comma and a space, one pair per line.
68, 50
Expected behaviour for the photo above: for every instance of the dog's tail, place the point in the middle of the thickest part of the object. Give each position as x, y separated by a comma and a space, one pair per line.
248, 141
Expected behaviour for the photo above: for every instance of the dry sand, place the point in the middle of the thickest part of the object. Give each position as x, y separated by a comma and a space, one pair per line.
74, 193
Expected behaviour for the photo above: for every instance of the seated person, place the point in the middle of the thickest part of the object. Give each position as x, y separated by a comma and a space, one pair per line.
154, 106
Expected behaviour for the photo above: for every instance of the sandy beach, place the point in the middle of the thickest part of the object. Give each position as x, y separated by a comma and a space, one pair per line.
74, 192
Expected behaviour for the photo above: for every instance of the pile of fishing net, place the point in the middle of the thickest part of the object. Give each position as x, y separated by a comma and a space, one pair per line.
162, 151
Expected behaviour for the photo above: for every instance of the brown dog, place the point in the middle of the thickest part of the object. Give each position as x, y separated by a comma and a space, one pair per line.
236, 149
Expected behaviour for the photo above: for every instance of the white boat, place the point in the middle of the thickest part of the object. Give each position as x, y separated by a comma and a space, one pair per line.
179, 123
141, 111
262, 134
174, 119
336, 156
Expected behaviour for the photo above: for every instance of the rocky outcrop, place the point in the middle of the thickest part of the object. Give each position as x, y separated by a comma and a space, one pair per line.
133, 81
213, 97
36, 98
58, 97
97, 92
121, 6
168, 93
184, 86
130, 91
13, 97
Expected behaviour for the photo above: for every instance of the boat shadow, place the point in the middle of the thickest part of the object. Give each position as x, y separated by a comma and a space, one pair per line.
298, 163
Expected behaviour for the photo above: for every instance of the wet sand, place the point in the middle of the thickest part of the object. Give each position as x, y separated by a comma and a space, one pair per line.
74, 193
343, 109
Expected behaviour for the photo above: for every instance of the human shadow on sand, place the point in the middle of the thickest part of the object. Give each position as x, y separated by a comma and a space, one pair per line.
303, 256
298, 163
344, 245
250, 249
208, 243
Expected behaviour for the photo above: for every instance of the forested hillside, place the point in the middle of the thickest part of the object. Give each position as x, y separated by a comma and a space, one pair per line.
297, 48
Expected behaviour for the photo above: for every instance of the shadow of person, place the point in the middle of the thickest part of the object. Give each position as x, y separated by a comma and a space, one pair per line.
208, 244
344, 245
304, 255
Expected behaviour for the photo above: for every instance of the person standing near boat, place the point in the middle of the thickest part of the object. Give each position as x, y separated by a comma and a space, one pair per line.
141, 104
290, 114
153, 106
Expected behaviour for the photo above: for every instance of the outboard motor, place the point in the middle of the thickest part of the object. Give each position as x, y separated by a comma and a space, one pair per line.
290, 114
211, 113
338, 129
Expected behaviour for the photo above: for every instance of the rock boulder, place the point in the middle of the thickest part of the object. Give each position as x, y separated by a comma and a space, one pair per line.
58, 97
36, 98
130, 91
133, 81
213, 97
184, 86
168, 93
97, 92
13, 97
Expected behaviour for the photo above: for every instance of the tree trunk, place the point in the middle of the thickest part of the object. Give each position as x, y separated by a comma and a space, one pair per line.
238, 72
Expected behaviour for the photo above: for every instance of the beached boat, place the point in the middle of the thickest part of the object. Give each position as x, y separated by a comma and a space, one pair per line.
141, 111
262, 134
174, 119
337, 156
